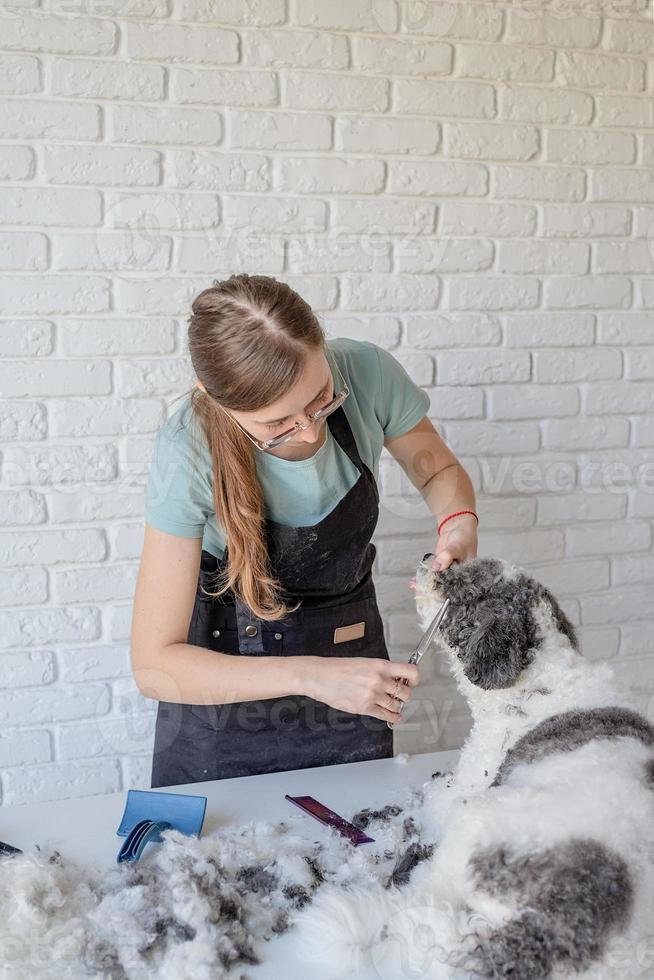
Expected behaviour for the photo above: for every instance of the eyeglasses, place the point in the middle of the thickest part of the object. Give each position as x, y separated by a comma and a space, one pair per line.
322, 413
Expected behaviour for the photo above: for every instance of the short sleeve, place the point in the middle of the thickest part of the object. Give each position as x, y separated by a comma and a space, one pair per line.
402, 402
174, 501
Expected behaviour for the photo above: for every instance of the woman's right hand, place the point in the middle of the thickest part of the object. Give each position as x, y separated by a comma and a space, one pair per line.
361, 685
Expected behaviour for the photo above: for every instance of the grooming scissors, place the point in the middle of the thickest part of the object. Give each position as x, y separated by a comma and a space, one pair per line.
427, 637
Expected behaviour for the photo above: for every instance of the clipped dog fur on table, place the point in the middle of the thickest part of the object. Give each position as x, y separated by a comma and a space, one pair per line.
546, 865
198, 908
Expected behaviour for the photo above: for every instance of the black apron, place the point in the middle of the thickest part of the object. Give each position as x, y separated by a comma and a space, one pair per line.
329, 567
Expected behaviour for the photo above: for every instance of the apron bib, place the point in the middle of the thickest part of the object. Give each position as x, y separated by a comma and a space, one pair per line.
328, 566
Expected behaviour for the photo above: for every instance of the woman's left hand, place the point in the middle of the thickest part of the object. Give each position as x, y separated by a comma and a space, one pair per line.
457, 542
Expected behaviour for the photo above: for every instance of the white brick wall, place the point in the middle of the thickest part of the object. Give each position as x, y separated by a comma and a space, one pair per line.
471, 185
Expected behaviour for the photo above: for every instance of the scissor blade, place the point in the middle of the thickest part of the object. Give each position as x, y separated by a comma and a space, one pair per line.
431, 629
422, 646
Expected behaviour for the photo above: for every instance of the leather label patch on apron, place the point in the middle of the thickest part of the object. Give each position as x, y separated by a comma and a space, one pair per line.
353, 632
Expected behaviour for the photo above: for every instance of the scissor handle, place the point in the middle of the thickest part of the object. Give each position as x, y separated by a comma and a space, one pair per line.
428, 636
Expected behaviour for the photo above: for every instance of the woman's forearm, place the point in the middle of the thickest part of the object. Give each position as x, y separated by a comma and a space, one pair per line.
449, 490
187, 674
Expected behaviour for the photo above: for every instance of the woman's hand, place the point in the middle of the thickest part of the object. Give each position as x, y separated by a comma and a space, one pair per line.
361, 685
458, 541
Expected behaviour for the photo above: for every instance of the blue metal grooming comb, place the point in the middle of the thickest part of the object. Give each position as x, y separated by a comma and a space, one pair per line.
147, 813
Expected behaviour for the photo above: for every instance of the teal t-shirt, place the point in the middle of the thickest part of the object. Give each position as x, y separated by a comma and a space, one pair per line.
383, 402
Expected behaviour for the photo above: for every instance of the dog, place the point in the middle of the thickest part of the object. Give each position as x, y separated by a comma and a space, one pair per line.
545, 868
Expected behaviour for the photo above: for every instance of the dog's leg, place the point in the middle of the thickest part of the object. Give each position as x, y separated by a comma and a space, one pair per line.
570, 899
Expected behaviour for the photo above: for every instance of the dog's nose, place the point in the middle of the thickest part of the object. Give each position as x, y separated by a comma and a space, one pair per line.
429, 554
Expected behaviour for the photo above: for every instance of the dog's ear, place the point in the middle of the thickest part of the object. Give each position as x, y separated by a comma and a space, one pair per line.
562, 622
493, 653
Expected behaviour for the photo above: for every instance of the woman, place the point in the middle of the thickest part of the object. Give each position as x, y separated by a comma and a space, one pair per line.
255, 621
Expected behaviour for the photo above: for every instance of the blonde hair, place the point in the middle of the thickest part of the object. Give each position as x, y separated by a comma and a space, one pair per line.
248, 338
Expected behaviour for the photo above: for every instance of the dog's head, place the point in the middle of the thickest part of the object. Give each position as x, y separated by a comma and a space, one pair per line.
497, 618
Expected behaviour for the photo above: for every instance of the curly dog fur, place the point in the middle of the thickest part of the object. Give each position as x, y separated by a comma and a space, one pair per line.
546, 865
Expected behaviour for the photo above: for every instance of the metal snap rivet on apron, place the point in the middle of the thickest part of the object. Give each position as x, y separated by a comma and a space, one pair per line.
216, 633
251, 630
278, 636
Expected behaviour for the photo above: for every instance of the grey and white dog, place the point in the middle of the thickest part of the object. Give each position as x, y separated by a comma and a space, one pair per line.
546, 864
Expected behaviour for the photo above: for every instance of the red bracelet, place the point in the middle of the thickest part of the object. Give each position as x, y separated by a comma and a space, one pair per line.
456, 514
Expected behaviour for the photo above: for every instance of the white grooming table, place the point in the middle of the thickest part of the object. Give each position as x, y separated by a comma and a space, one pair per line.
84, 829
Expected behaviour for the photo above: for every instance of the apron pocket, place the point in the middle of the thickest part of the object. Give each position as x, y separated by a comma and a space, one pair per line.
216, 633
225, 639
353, 629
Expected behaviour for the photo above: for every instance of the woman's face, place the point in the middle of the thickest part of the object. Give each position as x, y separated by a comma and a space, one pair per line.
314, 389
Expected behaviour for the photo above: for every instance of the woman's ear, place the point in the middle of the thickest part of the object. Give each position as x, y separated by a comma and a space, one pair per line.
494, 652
